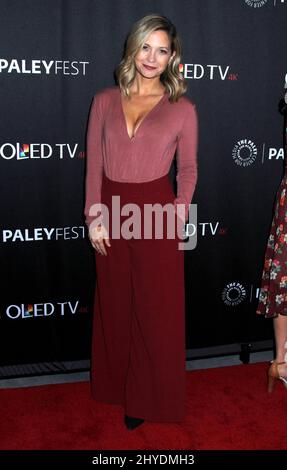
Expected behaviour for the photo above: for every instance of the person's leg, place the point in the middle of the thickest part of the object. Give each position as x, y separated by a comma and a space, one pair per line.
280, 332
155, 388
112, 321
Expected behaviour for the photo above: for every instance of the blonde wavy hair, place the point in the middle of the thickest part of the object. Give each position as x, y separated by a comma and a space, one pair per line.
171, 78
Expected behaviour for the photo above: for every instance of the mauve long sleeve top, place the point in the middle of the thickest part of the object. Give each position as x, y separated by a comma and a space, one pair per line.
167, 129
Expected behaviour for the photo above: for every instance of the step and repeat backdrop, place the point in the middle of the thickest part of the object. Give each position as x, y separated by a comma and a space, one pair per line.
54, 56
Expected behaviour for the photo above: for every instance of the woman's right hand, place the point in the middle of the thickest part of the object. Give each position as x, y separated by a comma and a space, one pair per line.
98, 237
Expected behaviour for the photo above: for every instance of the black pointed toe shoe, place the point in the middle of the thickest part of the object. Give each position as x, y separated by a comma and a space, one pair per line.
132, 423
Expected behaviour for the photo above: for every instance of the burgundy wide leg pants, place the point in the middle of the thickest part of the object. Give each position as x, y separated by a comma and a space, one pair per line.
138, 344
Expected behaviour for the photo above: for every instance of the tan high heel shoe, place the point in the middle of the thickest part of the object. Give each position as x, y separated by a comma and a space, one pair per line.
273, 374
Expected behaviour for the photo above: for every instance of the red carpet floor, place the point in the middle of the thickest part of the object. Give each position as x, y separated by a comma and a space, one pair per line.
228, 408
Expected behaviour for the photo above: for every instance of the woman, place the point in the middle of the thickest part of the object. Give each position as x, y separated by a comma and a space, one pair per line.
138, 347
273, 293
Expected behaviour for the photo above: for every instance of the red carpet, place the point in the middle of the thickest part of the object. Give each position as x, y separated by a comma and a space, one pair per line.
228, 408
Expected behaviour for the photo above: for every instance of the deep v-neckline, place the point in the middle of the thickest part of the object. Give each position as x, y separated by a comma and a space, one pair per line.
137, 128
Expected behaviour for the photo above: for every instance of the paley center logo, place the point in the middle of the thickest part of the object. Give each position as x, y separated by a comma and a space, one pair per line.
234, 293
23, 151
262, 3
43, 310
245, 152
43, 67
209, 71
256, 3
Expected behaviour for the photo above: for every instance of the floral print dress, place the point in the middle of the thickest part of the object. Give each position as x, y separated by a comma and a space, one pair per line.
273, 292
